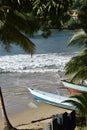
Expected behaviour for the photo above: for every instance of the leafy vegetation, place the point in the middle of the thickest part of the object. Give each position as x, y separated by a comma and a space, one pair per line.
16, 24
19, 19
77, 4
50, 12
77, 66
80, 102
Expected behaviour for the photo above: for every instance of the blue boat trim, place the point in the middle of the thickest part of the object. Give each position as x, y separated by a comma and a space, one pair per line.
53, 103
56, 104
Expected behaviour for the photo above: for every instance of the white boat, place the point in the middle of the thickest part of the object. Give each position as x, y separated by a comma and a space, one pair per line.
51, 98
74, 87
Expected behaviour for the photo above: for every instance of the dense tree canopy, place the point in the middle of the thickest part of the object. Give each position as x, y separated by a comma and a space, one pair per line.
21, 18
77, 4
52, 12
83, 17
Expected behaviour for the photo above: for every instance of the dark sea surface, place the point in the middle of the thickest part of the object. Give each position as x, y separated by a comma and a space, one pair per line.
18, 70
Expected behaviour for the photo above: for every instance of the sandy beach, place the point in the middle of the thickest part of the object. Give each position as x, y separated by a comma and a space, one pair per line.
21, 108
19, 71
24, 119
15, 88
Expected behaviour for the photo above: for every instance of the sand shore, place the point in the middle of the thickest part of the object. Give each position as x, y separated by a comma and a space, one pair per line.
20, 106
24, 118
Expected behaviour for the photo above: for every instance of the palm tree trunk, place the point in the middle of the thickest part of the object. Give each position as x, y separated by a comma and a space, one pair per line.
7, 123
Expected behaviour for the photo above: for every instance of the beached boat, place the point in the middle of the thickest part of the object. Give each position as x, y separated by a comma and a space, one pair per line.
74, 87
51, 98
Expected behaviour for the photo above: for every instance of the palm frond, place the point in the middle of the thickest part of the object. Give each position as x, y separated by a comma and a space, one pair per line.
17, 31
80, 102
10, 35
77, 105
81, 74
79, 39
81, 98
77, 66
23, 22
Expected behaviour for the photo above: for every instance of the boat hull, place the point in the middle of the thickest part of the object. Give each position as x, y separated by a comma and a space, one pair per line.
74, 88
50, 98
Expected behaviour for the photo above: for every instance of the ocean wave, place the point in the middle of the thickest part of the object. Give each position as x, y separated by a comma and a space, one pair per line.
36, 63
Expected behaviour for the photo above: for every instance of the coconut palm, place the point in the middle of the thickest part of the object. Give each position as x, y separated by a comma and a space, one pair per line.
76, 68
80, 102
79, 39
20, 18
17, 24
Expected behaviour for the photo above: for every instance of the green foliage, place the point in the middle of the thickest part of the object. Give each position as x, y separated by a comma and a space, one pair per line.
80, 102
77, 66
78, 39
71, 24
19, 19
83, 17
57, 12
17, 25
77, 3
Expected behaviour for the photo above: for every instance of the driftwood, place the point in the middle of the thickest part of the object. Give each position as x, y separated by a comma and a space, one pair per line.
8, 125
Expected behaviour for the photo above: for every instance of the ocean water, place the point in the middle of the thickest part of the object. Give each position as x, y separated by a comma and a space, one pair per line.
51, 55
18, 70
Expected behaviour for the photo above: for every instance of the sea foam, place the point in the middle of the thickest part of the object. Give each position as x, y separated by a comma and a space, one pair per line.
37, 63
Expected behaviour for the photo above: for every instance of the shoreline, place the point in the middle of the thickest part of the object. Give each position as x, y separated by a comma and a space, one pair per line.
15, 89
24, 118
20, 106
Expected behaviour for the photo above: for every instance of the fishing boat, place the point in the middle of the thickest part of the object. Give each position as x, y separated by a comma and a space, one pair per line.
74, 88
51, 98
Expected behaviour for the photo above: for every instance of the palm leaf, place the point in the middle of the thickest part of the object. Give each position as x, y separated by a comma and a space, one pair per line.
80, 102
77, 105
80, 38
17, 31
81, 74
23, 22
10, 35
77, 66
